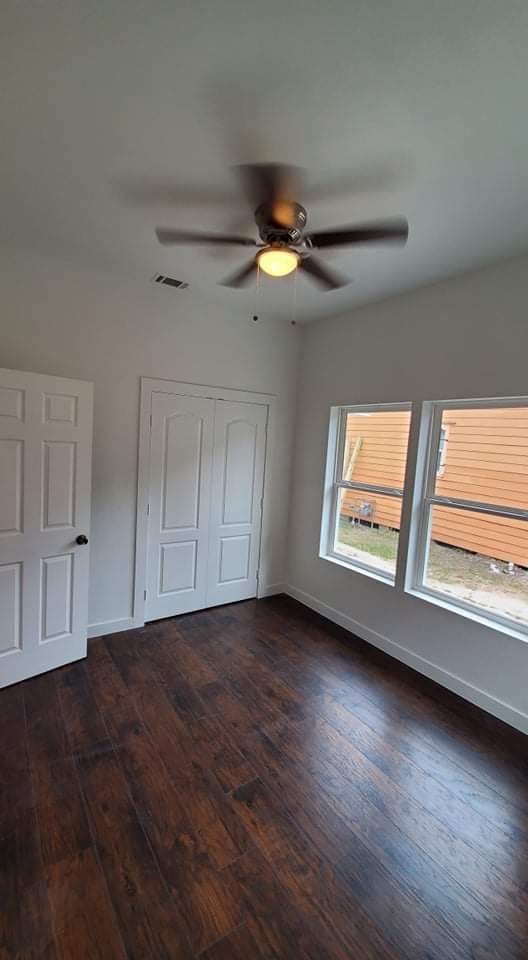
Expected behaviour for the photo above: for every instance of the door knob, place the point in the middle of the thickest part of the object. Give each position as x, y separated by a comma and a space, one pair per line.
82, 540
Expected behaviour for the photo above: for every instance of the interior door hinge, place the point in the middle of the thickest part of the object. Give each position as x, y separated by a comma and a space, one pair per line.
151, 421
148, 509
144, 594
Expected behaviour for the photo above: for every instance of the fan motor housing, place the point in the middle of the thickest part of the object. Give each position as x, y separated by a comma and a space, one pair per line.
287, 229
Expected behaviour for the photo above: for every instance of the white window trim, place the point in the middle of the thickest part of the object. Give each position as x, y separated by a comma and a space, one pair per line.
424, 498
333, 483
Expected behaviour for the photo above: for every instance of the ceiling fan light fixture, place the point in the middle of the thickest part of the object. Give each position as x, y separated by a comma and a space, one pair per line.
278, 261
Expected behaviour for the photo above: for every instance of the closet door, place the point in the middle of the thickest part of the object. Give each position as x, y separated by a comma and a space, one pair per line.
179, 504
236, 505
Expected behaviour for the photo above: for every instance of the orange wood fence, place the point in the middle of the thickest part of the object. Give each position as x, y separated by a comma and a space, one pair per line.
484, 458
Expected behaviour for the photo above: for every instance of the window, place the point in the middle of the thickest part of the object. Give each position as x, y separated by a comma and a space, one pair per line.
465, 538
364, 488
472, 539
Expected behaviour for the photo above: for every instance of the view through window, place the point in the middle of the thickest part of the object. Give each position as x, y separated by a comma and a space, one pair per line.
476, 521
369, 486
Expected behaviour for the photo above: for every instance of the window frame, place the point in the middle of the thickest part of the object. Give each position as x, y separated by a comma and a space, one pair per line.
426, 498
334, 483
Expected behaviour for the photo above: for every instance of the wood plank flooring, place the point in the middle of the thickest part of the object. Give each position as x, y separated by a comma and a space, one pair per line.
253, 782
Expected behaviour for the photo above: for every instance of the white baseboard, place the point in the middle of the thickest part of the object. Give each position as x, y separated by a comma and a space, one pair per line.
456, 684
129, 623
271, 589
110, 626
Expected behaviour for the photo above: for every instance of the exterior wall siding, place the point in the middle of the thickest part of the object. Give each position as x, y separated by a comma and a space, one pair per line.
485, 459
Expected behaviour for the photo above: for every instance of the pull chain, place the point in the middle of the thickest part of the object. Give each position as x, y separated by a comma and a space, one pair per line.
293, 320
257, 293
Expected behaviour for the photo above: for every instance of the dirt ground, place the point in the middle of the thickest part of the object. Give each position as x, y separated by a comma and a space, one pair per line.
489, 583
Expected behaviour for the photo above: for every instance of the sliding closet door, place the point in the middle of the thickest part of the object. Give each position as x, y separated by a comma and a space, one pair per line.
179, 504
236, 504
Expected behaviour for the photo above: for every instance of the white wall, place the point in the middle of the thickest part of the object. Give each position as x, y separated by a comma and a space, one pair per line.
466, 337
59, 319
462, 338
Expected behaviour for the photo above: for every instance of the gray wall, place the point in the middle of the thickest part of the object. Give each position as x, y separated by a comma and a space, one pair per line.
59, 319
466, 337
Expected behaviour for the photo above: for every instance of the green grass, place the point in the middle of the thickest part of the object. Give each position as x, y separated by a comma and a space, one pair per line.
381, 543
448, 565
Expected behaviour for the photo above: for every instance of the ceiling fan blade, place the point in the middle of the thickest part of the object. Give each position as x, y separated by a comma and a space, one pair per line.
383, 231
168, 237
322, 274
144, 192
242, 276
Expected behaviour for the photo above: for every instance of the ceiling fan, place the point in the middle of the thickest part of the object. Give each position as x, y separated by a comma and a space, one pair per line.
281, 221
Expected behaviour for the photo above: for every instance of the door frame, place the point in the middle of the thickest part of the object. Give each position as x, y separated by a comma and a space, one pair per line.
150, 385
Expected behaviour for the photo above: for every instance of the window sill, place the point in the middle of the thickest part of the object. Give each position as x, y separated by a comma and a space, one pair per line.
387, 579
518, 633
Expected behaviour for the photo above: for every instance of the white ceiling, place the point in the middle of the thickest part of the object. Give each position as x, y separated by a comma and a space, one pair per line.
119, 116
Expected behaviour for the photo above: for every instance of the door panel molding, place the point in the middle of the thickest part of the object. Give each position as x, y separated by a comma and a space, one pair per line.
56, 594
234, 567
177, 566
228, 517
11, 605
59, 463
149, 386
194, 445
11, 485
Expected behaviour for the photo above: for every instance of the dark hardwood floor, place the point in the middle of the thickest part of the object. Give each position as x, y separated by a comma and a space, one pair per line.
253, 782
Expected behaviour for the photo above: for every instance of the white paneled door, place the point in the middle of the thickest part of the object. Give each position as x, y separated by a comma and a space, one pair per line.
45, 473
236, 502
205, 502
179, 495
